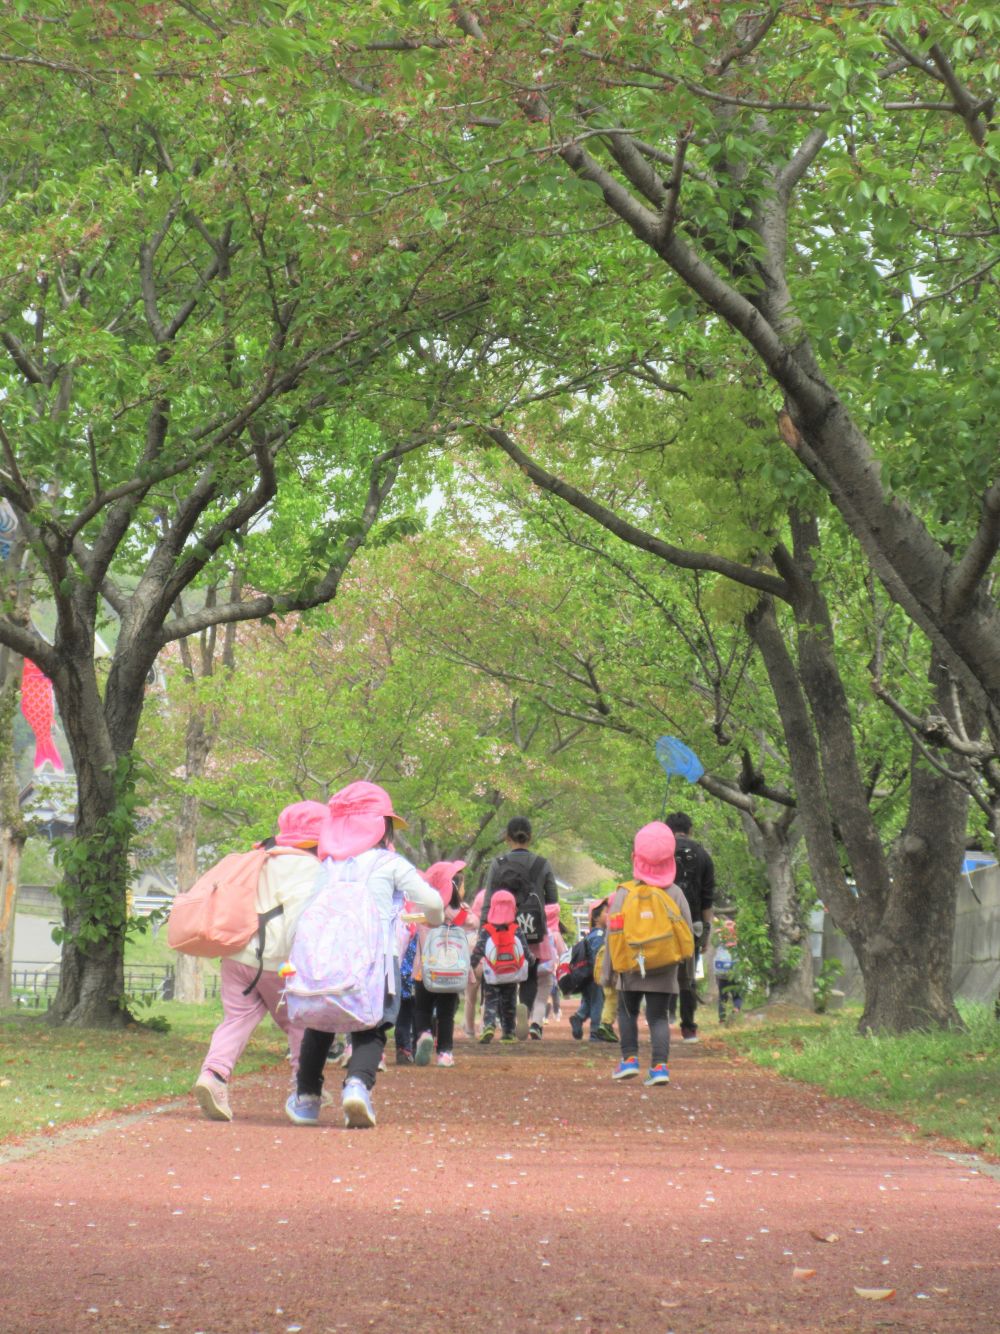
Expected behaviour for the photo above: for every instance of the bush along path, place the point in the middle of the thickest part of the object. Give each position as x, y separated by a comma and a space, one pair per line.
522, 1189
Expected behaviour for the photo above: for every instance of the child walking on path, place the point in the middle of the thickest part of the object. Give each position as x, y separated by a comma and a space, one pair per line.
652, 865
472, 987
726, 969
547, 971
449, 881
592, 1003
250, 992
504, 953
355, 843
403, 1029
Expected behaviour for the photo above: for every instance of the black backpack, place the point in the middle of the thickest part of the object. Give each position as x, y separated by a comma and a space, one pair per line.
517, 875
579, 971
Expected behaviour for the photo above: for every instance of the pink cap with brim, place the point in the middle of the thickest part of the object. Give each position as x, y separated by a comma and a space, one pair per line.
441, 875
552, 918
299, 824
503, 908
355, 820
477, 903
653, 855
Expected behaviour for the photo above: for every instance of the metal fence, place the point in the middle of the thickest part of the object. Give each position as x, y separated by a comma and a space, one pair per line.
35, 984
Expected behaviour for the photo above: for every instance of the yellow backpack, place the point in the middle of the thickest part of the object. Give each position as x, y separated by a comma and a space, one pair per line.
649, 932
598, 965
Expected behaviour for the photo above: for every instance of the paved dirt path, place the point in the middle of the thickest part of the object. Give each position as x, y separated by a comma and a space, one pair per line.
521, 1190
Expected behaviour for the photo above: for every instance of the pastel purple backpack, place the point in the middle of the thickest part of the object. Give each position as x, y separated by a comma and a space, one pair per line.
342, 956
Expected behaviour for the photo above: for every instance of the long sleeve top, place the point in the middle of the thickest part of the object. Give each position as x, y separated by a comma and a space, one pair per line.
392, 880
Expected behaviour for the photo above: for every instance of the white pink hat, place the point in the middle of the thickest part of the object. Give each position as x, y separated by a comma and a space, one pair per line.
355, 820
503, 908
441, 875
552, 918
299, 824
653, 854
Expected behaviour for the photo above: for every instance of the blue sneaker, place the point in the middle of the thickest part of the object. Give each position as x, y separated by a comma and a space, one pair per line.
658, 1074
424, 1049
303, 1109
627, 1069
357, 1104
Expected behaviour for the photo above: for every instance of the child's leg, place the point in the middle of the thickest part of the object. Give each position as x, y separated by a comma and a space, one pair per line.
688, 1004
312, 1058
366, 1052
658, 1019
446, 1007
508, 1008
404, 1025
423, 1009
595, 1004
609, 1013
491, 1005
628, 1023
537, 1015
270, 987
471, 996
241, 1015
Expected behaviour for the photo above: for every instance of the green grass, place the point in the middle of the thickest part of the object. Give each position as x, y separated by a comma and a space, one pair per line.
51, 1076
944, 1083
145, 948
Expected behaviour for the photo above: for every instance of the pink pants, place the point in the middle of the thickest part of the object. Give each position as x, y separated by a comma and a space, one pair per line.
546, 972
241, 1015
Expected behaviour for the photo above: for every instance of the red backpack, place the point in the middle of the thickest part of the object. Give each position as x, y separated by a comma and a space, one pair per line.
504, 959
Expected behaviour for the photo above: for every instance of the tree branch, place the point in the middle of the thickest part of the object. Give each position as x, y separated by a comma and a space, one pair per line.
637, 537
965, 579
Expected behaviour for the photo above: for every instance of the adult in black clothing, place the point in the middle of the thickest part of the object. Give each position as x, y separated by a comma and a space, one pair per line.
696, 877
543, 882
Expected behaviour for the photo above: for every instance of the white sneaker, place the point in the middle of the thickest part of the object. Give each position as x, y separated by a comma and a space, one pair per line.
212, 1094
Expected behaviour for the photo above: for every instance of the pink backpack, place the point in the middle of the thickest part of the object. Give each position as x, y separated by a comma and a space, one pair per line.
218, 914
341, 960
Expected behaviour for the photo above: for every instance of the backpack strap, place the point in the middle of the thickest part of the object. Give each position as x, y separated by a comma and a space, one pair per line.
262, 920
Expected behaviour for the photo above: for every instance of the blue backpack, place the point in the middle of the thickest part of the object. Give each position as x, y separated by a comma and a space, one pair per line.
406, 969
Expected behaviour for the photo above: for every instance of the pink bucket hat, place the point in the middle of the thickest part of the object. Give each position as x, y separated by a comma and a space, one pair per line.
477, 903
653, 855
503, 908
356, 820
552, 918
441, 875
299, 824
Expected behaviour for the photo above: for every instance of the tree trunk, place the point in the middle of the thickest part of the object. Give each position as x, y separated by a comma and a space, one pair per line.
11, 847
189, 972
906, 960
792, 965
12, 830
95, 863
901, 920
